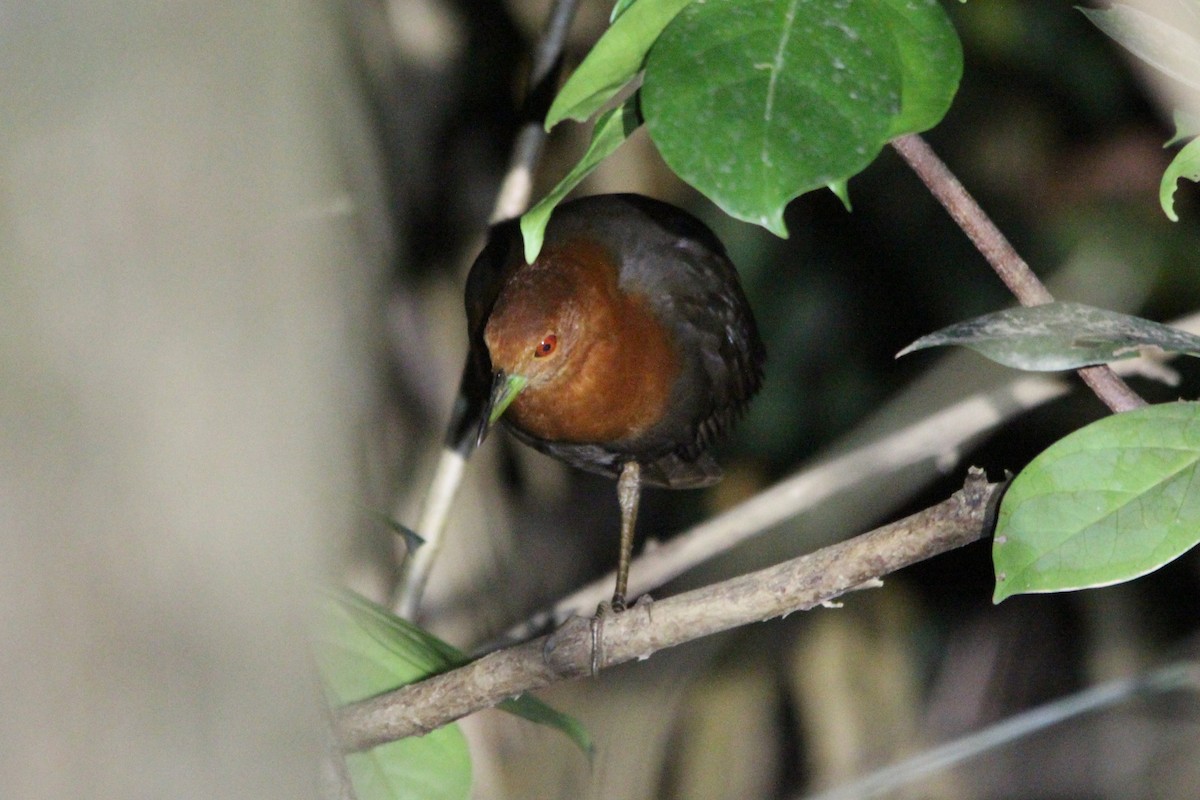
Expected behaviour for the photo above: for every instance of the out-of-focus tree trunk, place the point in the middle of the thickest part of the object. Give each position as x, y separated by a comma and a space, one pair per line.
184, 382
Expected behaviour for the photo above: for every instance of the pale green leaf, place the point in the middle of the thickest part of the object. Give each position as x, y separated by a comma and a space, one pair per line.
1059, 336
1187, 126
619, 8
362, 651
1156, 41
1186, 164
1108, 503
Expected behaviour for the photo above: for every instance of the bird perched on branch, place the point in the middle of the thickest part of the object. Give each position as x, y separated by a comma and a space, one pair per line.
625, 349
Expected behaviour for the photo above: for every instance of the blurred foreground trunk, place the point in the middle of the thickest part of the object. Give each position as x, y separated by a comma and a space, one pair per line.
184, 375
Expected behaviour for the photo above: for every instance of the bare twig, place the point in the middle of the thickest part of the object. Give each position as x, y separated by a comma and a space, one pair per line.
431, 525
1171, 678
1011, 268
511, 200
581, 644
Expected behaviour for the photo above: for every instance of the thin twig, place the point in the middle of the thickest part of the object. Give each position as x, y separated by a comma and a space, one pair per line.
1011, 268
580, 645
431, 524
1171, 678
511, 200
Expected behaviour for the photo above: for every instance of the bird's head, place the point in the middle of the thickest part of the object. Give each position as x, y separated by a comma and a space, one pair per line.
537, 332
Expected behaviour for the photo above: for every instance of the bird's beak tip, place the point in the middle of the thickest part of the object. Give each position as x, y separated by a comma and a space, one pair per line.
505, 389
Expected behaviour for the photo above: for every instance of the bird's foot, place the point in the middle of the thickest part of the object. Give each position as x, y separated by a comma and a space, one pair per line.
617, 605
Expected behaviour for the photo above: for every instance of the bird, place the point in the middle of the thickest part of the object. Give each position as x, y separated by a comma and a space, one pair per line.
627, 348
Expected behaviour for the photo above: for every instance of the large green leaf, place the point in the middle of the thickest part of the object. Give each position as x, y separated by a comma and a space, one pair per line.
1106, 504
754, 102
614, 60
1059, 336
363, 651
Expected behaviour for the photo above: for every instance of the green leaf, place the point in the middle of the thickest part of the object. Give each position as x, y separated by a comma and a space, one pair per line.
1186, 164
1059, 336
841, 190
619, 8
1187, 126
755, 102
611, 130
1112, 501
362, 650
1156, 41
613, 61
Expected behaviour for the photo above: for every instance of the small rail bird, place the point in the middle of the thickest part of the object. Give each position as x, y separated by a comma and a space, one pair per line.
626, 348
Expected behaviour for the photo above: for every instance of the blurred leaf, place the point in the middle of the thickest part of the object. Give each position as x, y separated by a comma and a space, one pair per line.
1187, 126
362, 650
758, 101
1186, 164
530, 708
1106, 504
1153, 40
613, 60
611, 130
619, 8
392, 652
1058, 336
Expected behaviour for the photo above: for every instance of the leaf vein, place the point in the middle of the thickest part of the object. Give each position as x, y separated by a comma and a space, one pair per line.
776, 68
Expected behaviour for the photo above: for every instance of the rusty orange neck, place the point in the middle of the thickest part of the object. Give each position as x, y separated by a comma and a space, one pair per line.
618, 379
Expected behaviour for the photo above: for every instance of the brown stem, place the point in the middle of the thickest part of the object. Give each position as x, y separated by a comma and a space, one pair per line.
571, 652
1011, 268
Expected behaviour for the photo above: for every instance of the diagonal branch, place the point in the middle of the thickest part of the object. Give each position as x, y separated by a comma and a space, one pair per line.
581, 645
1011, 268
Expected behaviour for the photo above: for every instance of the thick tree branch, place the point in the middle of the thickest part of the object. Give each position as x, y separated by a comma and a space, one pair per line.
1011, 268
581, 645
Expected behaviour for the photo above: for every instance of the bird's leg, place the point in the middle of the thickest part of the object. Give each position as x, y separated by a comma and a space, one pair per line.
629, 490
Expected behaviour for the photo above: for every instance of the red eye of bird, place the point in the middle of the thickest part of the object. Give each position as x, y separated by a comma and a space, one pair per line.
546, 346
